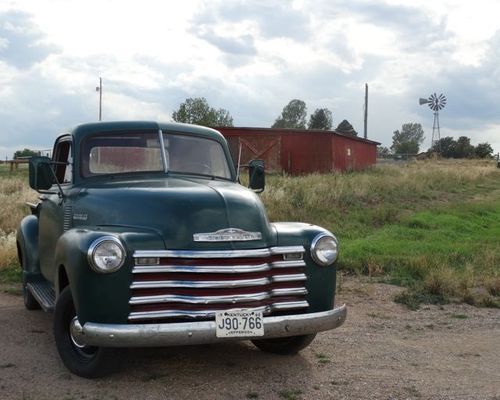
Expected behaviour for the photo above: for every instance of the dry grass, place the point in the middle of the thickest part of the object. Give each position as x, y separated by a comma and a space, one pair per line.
386, 219
8, 252
303, 197
354, 204
429, 226
14, 193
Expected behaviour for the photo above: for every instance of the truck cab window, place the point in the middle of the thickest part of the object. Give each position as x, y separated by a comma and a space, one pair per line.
62, 154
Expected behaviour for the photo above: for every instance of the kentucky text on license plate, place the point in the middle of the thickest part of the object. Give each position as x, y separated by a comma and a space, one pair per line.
239, 323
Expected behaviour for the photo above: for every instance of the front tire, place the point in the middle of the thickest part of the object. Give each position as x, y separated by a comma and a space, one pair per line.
82, 360
286, 345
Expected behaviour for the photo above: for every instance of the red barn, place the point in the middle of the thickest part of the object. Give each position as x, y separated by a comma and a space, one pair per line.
300, 151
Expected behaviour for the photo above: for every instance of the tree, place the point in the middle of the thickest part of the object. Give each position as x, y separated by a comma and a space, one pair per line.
484, 150
197, 111
463, 148
408, 140
346, 128
293, 115
25, 153
446, 147
320, 119
383, 152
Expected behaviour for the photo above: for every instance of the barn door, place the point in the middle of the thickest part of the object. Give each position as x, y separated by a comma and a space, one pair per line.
264, 148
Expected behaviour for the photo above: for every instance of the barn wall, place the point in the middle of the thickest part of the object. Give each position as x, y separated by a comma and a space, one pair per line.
352, 154
304, 153
300, 152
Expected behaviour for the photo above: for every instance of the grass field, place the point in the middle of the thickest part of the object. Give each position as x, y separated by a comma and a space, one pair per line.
432, 227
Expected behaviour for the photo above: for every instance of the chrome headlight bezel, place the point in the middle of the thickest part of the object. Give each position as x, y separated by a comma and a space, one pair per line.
321, 259
94, 247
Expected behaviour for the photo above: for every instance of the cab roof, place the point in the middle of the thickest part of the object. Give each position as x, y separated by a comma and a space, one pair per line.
81, 131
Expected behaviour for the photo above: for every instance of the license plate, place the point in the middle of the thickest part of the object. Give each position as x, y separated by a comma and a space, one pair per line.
239, 323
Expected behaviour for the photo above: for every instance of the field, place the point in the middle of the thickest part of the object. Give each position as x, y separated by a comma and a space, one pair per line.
432, 227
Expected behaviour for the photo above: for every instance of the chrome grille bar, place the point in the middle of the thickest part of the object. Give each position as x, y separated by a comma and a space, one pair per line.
200, 284
185, 284
200, 299
218, 284
219, 253
141, 315
216, 269
228, 299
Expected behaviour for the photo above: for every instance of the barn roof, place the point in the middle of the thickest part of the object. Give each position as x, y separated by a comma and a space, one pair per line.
236, 129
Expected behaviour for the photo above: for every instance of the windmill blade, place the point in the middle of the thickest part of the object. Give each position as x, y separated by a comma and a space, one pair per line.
442, 101
434, 101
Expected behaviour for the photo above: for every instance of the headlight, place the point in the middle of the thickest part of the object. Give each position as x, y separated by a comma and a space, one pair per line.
106, 254
324, 249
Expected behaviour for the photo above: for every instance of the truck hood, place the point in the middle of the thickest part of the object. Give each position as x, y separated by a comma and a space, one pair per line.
176, 208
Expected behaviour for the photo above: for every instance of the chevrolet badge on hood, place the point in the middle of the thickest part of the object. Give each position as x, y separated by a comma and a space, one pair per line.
227, 235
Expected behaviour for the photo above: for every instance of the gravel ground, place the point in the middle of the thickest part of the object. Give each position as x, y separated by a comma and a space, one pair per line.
383, 351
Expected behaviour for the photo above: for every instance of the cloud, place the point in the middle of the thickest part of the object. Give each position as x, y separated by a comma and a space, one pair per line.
250, 58
241, 45
21, 42
272, 19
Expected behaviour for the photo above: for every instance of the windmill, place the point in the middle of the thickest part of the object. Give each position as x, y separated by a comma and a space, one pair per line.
435, 103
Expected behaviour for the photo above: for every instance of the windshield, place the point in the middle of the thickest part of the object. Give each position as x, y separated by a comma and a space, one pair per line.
141, 152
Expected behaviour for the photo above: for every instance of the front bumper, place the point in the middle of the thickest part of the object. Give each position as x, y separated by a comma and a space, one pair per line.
190, 333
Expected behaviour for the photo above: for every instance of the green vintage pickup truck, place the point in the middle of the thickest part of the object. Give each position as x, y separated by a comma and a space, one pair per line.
143, 236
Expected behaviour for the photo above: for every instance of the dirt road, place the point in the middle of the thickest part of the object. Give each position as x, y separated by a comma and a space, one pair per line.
383, 351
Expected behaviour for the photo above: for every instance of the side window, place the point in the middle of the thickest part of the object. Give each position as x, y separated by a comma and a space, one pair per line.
62, 155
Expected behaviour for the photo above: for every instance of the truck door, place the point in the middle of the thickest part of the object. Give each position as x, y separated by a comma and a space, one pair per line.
52, 210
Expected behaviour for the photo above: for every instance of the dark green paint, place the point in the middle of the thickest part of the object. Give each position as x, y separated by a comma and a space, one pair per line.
151, 211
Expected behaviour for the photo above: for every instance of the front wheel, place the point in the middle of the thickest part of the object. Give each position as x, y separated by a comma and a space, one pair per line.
286, 345
82, 360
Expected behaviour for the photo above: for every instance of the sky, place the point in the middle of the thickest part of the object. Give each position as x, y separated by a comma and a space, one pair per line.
251, 58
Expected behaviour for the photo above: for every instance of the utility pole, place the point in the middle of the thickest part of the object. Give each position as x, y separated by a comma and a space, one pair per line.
366, 111
99, 89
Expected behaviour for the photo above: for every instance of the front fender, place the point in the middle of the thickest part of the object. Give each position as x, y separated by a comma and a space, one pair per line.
321, 281
99, 297
27, 240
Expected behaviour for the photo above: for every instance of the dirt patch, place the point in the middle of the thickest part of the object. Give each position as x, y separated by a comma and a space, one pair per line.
383, 351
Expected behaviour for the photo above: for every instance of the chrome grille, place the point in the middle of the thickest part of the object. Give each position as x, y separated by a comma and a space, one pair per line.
196, 284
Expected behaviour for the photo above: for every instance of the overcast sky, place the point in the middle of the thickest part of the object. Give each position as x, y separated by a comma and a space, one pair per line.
250, 57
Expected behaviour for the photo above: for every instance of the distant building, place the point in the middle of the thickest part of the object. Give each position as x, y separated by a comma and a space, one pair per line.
300, 151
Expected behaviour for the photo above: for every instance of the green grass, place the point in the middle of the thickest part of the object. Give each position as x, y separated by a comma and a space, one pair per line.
433, 228
11, 273
20, 172
448, 253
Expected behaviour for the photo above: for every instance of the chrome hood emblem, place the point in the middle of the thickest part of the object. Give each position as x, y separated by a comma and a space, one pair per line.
227, 235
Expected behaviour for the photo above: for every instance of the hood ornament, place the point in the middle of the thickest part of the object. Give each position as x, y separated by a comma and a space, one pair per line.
227, 235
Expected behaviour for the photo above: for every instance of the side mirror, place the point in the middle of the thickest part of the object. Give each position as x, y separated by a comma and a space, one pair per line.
41, 173
256, 176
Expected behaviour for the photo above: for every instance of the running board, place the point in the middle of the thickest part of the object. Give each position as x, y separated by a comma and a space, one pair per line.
43, 293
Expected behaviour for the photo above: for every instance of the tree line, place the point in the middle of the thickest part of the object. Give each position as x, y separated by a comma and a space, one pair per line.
293, 116
407, 141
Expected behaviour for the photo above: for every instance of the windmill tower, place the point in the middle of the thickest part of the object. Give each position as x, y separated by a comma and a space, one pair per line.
435, 103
